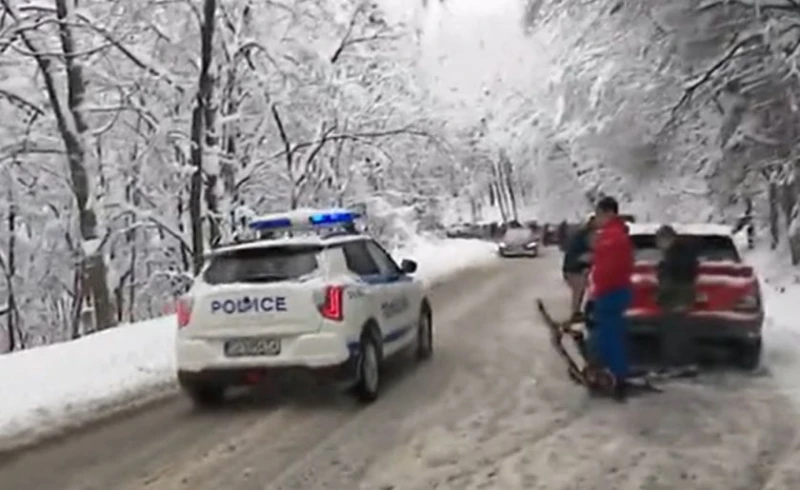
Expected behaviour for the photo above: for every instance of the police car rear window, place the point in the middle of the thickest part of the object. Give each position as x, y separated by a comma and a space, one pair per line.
710, 248
268, 264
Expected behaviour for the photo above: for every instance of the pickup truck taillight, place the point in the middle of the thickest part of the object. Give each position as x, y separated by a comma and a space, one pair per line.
332, 305
183, 310
749, 302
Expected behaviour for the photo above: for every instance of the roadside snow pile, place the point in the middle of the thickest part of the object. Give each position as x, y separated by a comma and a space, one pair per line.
47, 388
438, 259
781, 289
50, 388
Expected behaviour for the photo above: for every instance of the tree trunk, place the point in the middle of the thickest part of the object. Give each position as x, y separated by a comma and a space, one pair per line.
196, 188
183, 251
473, 209
11, 271
202, 101
499, 193
77, 304
507, 170
212, 166
794, 235
134, 198
787, 203
72, 128
230, 164
792, 191
500, 203
774, 214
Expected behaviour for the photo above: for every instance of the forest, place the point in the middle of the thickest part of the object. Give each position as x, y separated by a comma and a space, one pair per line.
138, 135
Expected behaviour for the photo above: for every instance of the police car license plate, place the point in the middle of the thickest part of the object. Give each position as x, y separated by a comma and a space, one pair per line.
255, 346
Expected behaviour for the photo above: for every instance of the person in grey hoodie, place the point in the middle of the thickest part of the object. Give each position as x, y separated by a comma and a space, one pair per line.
577, 259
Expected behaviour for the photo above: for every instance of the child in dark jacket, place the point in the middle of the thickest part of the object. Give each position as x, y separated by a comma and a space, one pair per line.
677, 277
677, 270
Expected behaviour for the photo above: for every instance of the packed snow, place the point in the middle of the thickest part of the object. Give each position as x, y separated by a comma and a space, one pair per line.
780, 286
50, 388
682, 228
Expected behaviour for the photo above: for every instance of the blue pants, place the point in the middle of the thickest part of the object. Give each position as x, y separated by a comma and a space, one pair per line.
607, 339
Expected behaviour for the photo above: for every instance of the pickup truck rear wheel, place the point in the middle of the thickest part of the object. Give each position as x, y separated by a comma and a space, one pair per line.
748, 355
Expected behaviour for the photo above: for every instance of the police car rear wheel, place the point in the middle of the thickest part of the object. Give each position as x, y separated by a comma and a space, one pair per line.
205, 395
369, 368
424, 335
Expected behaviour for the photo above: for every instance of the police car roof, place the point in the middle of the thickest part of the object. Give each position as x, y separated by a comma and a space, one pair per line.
307, 240
682, 228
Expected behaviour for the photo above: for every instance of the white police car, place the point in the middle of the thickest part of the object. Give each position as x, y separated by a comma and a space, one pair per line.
334, 304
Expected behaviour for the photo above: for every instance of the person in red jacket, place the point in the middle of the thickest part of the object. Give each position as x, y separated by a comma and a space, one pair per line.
610, 278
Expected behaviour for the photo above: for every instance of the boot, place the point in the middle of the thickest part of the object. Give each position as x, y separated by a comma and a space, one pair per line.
577, 317
620, 393
682, 371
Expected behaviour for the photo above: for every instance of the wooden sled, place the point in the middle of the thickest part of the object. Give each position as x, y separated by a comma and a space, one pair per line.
580, 368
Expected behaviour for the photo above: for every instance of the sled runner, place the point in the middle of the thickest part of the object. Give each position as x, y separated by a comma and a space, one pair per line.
580, 367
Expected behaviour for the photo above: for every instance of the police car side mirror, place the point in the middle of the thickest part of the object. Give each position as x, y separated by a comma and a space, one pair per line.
408, 266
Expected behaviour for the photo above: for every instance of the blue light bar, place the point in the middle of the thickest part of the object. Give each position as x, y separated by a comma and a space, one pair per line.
305, 219
333, 218
270, 224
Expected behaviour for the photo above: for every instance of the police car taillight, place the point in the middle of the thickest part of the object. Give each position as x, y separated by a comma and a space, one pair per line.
183, 310
332, 306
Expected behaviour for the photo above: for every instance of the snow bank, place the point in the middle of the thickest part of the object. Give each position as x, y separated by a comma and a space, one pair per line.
46, 389
438, 259
781, 290
51, 387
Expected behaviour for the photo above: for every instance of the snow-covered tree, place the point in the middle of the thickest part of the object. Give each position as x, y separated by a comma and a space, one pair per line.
141, 134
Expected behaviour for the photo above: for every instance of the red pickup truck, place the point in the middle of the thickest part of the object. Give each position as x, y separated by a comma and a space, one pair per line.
728, 311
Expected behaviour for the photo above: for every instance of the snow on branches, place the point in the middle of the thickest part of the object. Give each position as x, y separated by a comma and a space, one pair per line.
116, 109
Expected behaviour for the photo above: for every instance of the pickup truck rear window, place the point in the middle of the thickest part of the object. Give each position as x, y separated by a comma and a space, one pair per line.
266, 264
711, 248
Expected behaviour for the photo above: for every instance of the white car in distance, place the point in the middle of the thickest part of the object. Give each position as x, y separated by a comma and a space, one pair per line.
326, 300
518, 242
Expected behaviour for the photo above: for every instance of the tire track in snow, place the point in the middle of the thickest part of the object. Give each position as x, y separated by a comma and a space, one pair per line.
342, 460
464, 374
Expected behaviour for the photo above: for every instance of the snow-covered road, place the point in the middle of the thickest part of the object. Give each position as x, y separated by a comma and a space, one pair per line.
494, 410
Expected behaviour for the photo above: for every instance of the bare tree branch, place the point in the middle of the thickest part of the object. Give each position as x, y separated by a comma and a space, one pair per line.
691, 88
347, 40
356, 136
288, 151
21, 101
792, 6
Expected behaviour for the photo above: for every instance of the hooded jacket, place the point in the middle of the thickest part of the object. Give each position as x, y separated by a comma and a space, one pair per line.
577, 249
612, 258
680, 263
